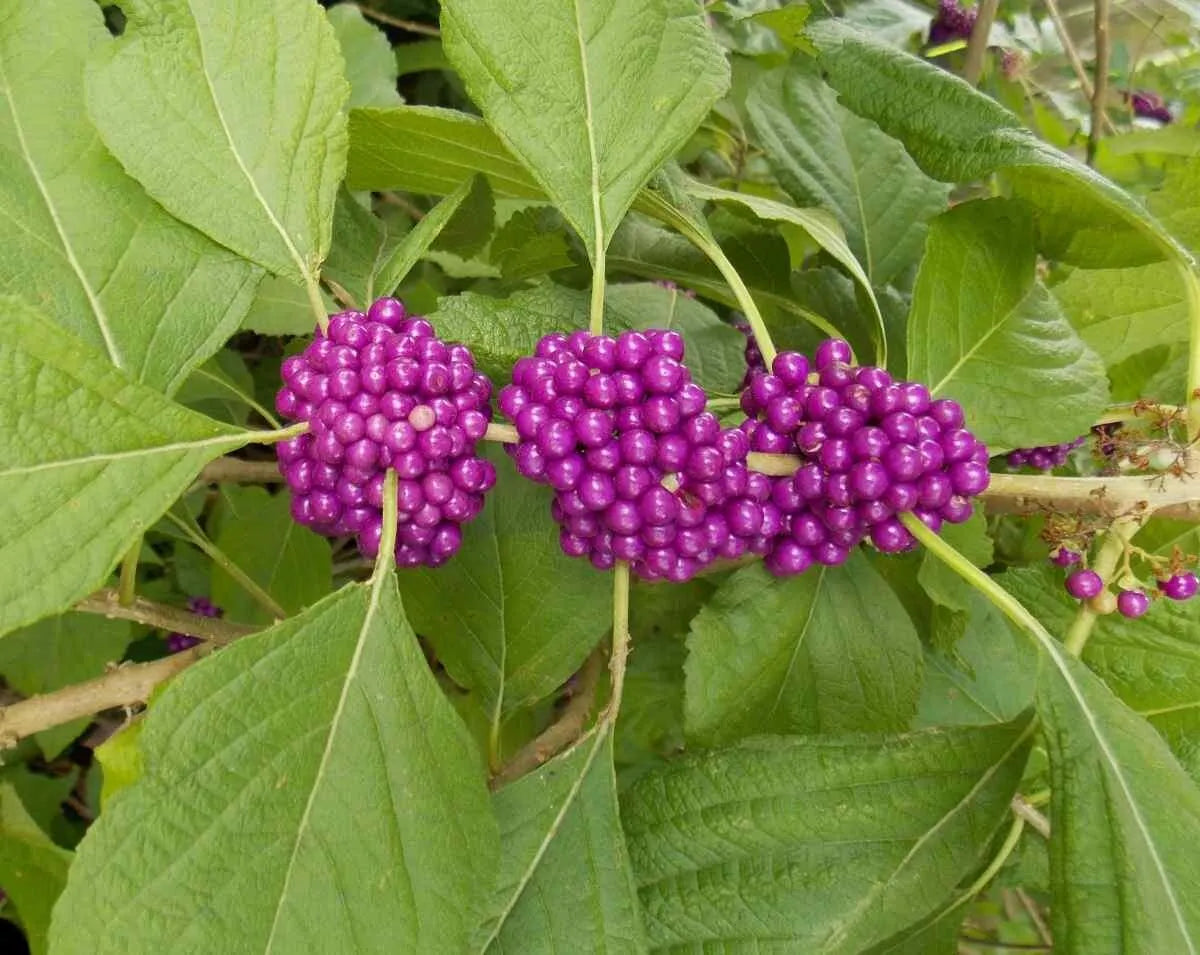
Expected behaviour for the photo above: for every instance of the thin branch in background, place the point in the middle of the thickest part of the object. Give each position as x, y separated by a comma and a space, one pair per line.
562, 732
1023, 808
412, 26
1034, 911
1100, 92
1085, 83
239, 471
214, 630
978, 44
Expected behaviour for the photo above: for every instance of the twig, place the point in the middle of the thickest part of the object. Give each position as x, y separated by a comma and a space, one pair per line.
211, 629
1035, 915
560, 734
1073, 57
1100, 27
412, 26
240, 471
124, 686
978, 44
1021, 807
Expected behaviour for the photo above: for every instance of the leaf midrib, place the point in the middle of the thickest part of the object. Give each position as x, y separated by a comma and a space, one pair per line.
599, 241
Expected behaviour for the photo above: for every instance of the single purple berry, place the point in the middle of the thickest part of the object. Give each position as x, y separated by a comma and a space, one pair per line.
1132, 603
1083, 584
1179, 586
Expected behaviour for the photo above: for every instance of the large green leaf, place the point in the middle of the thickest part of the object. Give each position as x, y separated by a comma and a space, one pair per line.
511, 616
632, 81
984, 331
815, 844
81, 238
57, 652
565, 884
431, 151
33, 869
823, 154
955, 133
829, 651
88, 460
288, 561
230, 114
307, 789
370, 62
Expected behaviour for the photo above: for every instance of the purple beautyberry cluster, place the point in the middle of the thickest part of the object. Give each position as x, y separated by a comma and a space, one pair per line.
1150, 106
754, 358
641, 472
872, 448
952, 21
381, 391
1046, 457
198, 605
1084, 584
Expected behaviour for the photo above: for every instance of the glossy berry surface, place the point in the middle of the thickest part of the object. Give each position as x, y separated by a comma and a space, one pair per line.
1045, 458
1132, 603
870, 449
952, 21
1179, 586
198, 605
380, 390
754, 358
642, 473
1083, 584
1065, 557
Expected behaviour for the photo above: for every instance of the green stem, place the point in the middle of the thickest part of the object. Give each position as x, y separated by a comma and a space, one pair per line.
620, 641
313, 289
127, 586
246, 399
1191, 284
282, 434
386, 558
1107, 558
218, 557
596, 321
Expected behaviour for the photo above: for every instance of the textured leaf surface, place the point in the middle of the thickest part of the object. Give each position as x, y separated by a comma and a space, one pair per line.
370, 62
632, 80
431, 151
57, 652
828, 651
565, 884
33, 869
823, 154
956, 134
324, 751
230, 114
81, 238
815, 844
511, 616
970, 539
88, 460
985, 332
280, 307
288, 561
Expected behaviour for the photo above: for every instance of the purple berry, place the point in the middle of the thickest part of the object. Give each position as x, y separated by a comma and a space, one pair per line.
1179, 586
1083, 584
1065, 557
1132, 603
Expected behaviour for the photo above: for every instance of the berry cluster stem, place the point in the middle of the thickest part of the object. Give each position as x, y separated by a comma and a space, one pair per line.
596, 315
1191, 285
1112, 550
313, 289
213, 630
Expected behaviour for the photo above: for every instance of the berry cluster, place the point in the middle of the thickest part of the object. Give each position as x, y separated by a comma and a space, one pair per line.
1150, 106
951, 22
1044, 458
1130, 602
198, 605
381, 391
641, 472
871, 447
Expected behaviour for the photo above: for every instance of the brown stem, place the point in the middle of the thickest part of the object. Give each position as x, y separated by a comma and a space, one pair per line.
124, 686
211, 629
239, 471
1068, 45
1039, 823
1101, 82
977, 45
412, 26
560, 734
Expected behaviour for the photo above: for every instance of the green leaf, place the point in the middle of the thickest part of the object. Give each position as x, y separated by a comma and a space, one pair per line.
221, 388
370, 62
500, 331
632, 81
1118, 312
307, 788
281, 307
88, 460
972, 541
431, 151
715, 350
565, 884
531, 243
816, 844
420, 56
511, 616
256, 144
33, 869
828, 651
469, 227
984, 331
57, 652
651, 723
956, 134
120, 759
288, 561
1126, 820
823, 154
81, 238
